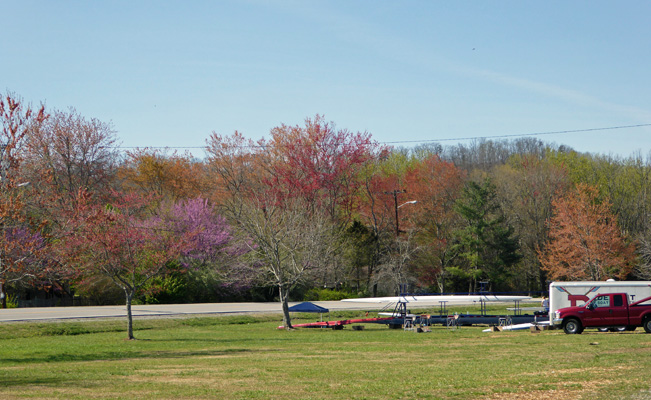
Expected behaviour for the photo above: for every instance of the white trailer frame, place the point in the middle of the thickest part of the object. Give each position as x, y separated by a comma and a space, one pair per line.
568, 294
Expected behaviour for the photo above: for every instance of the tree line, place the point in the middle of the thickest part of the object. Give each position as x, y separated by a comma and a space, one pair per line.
312, 207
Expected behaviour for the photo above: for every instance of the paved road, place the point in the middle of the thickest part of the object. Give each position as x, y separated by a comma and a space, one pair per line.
170, 310
156, 310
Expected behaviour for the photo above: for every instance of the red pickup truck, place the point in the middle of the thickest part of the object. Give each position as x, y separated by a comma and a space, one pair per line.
610, 310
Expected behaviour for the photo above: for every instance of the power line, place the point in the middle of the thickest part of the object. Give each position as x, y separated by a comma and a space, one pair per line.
428, 140
522, 134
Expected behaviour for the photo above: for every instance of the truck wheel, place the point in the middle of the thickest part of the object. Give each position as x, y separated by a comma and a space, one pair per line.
603, 329
573, 326
647, 324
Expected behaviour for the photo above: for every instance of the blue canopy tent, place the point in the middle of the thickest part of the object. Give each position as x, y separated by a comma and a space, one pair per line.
308, 307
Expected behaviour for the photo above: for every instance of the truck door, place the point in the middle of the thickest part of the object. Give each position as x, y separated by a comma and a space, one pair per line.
619, 310
597, 311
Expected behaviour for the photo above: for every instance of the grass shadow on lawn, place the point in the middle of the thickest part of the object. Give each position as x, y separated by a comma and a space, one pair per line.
122, 355
18, 381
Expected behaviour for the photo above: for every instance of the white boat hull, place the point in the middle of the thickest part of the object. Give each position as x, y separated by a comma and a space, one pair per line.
437, 299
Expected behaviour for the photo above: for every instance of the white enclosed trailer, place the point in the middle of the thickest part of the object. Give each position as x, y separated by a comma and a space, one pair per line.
569, 294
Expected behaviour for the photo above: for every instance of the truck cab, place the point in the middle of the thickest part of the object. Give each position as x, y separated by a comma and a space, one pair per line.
607, 309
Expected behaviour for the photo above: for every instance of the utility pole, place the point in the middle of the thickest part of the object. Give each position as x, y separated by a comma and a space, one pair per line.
395, 202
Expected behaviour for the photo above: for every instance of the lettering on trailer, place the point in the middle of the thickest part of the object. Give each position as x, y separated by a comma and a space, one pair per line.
574, 298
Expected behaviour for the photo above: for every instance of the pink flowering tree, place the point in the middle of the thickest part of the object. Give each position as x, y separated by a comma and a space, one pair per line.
213, 246
212, 236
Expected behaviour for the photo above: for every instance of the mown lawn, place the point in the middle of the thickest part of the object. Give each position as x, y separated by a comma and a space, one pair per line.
248, 358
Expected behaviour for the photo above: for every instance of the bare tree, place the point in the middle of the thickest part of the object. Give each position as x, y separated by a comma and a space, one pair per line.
290, 241
642, 269
395, 268
288, 244
526, 188
71, 152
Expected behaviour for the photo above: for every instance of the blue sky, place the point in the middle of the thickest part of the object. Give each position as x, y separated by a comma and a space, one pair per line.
169, 73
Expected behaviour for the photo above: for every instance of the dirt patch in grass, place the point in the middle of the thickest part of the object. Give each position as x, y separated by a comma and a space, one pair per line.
71, 392
218, 381
568, 390
596, 370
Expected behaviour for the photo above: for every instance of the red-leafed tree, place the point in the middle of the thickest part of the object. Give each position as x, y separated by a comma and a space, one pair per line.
18, 247
377, 211
382, 194
24, 258
124, 241
436, 185
585, 242
319, 164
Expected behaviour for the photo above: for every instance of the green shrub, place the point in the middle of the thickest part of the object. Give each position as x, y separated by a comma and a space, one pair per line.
64, 330
326, 295
232, 320
169, 289
12, 301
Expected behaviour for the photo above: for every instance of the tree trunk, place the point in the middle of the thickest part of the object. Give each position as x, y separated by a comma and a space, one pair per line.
284, 297
129, 295
3, 295
543, 282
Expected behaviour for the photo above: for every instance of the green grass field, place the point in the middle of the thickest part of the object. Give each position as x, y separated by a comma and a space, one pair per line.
248, 358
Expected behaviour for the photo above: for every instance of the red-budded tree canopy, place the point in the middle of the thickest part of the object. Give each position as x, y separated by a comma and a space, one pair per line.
123, 240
